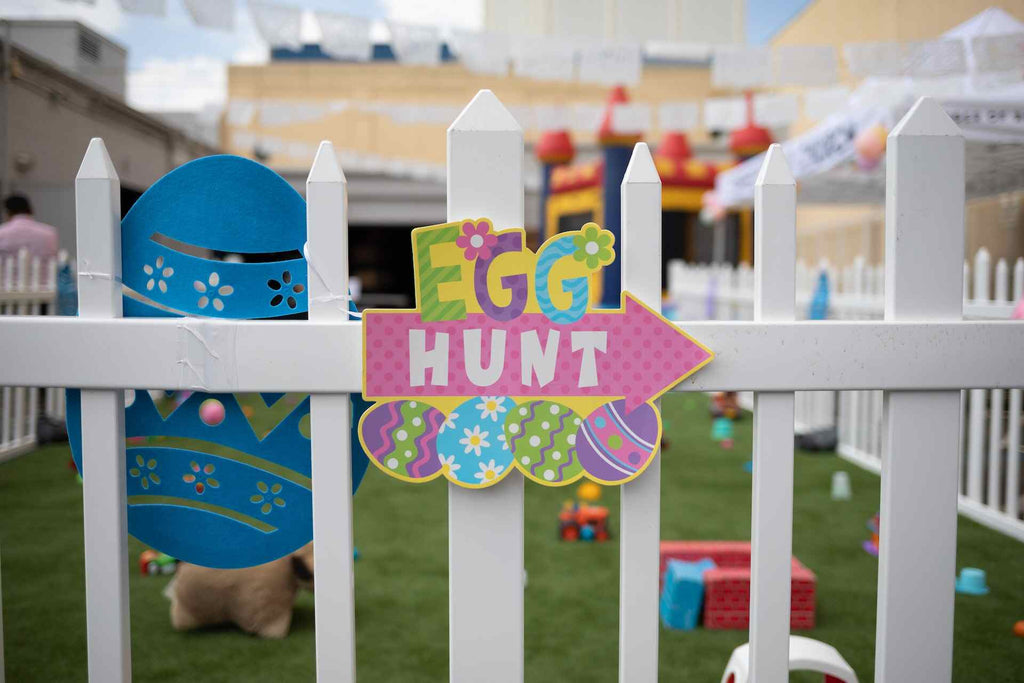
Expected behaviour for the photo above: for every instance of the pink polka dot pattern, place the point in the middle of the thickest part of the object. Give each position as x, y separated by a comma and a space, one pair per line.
624, 369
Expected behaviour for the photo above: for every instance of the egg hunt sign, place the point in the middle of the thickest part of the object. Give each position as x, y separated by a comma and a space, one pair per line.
505, 363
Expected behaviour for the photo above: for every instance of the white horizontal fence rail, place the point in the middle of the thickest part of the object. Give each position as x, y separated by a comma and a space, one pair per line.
991, 480
921, 353
28, 286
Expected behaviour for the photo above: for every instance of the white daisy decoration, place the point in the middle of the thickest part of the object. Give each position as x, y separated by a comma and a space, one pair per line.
491, 407
449, 422
448, 465
504, 442
489, 472
475, 440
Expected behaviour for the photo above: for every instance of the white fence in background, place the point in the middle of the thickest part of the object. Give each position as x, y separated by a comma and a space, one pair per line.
28, 286
922, 355
991, 477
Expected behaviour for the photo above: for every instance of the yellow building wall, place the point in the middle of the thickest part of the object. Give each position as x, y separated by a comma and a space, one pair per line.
835, 22
444, 85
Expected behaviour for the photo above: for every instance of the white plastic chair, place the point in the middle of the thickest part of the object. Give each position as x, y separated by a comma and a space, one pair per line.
805, 654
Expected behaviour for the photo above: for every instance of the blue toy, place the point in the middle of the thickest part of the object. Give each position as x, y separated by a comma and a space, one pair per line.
233, 499
819, 301
682, 594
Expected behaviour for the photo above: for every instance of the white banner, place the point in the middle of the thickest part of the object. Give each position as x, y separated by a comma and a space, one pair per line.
724, 113
631, 118
154, 7
989, 120
921, 59
415, 44
284, 113
482, 53
678, 116
998, 53
775, 110
240, 112
820, 103
816, 151
280, 25
523, 115
552, 117
344, 37
587, 117
741, 67
611, 64
806, 65
544, 59
212, 13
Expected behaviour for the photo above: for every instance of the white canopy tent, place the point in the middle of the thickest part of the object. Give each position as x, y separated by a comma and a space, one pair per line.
987, 101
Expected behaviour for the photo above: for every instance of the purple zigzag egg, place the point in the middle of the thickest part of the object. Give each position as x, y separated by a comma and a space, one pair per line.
613, 445
401, 438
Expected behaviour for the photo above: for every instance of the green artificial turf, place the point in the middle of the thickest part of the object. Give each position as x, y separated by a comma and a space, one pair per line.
571, 597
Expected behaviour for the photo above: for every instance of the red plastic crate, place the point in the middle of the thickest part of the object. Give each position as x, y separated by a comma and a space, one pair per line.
727, 587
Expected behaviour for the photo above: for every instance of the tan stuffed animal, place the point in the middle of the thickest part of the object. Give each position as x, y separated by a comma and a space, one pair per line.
258, 599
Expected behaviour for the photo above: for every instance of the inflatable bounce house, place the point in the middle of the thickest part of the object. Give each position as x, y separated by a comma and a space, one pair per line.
574, 194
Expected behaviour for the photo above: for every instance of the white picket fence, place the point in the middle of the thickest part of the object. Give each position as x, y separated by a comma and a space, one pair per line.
991, 480
28, 286
922, 355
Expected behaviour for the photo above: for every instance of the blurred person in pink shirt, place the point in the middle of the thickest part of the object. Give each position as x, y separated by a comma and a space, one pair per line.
23, 231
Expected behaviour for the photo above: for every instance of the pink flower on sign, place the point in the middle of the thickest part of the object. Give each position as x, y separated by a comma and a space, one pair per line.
476, 240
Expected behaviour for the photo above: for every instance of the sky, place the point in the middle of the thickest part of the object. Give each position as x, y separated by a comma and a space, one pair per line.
176, 65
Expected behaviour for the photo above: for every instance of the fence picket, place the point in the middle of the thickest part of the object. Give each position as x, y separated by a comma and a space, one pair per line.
772, 507
641, 498
917, 554
485, 528
6, 407
21, 308
995, 430
98, 212
330, 425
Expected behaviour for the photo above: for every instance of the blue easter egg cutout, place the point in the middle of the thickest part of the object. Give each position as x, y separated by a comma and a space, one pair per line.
208, 492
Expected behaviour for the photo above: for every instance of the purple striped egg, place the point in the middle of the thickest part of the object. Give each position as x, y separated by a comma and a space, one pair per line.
613, 445
401, 438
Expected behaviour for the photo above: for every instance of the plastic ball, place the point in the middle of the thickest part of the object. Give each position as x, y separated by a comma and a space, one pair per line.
587, 533
869, 146
211, 412
1018, 629
589, 491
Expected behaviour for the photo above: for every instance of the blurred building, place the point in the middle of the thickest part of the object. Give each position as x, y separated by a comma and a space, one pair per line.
63, 84
395, 164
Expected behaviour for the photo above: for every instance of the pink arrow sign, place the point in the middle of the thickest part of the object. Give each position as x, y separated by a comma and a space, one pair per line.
632, 353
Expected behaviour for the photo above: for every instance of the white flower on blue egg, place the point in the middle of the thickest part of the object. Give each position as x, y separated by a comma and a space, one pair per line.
448, 465
449, 422
504, 441
489, 472
213, 292
158, 274
490, 407
475, 440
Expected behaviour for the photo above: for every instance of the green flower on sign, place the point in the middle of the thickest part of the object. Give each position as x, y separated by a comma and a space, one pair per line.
594, 246
266, 495
141, 473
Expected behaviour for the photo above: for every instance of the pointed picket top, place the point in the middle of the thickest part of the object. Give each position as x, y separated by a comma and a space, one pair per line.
325, 168
96, 163
485, 112
641, 168
926, 118
775, 169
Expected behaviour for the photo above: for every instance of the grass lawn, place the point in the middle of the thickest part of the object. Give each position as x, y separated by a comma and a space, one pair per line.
571, 598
